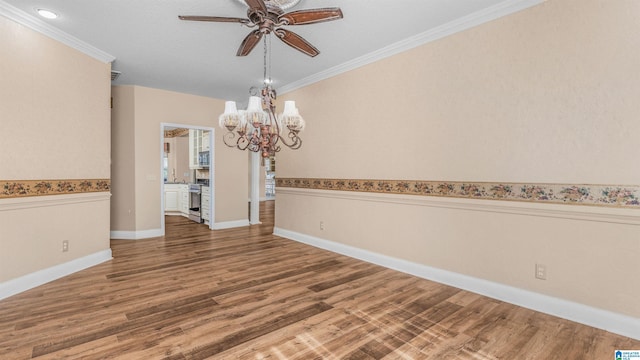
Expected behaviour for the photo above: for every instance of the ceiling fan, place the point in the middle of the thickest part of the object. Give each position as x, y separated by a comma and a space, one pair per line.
269, 17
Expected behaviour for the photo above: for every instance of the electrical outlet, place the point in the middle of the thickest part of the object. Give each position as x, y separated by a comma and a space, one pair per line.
321, 225
65, 245
541, 272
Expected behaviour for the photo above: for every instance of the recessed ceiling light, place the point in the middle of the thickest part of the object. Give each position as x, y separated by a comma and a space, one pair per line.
47, 14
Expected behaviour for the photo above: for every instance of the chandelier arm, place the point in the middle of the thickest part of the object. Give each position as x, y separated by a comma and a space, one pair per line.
273, 140
230, 136
243, 143
272, 114
274, 143
253, 143
295, 143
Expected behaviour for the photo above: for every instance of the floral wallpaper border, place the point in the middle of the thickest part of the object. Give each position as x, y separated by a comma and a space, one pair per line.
24, 188
599, 195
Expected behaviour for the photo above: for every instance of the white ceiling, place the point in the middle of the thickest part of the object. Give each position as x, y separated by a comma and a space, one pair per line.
154, 48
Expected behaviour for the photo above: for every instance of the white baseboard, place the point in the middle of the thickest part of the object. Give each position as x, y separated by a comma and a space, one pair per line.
145, 234
230, 224
603, 319
265, 198
136, 235
30, 281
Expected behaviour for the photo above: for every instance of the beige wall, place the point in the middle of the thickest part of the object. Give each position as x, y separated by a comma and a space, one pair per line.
546, 95
171, 157
54, 109
231, 181
123, 161
178, 158
54, 115
182, 158
151, 108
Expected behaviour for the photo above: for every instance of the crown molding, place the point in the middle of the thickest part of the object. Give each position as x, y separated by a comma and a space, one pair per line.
466, 22
23, 18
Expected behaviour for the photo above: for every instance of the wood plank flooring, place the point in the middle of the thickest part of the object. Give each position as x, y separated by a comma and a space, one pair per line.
247, 294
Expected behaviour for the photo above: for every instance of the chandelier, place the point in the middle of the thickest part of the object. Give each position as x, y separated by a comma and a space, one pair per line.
258, 128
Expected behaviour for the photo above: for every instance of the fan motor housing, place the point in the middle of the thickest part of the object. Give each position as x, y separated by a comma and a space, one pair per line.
267, 22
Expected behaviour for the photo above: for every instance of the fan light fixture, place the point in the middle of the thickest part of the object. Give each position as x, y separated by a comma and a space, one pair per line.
268, 17
258, 128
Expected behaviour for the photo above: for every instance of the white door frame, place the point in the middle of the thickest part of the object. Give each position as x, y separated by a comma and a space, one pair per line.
211, 170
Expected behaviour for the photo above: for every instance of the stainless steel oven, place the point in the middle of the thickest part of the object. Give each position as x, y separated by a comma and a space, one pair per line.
195, 193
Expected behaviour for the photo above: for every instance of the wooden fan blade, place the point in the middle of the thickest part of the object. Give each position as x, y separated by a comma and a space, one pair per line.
249, 43
213, 18
311, 16
257, 5
297, 42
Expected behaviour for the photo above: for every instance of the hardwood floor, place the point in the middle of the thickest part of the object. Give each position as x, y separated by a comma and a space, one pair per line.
247, 294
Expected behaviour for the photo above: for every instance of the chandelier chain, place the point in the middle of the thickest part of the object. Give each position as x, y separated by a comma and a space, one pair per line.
267, 59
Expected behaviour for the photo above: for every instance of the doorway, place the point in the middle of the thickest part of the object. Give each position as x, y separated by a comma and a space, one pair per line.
186, 162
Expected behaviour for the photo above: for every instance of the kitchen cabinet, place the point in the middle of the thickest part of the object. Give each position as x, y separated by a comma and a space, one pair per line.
195, 146
183, 200
205, 204
204, 141
171, 197
176, 199
198, 142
